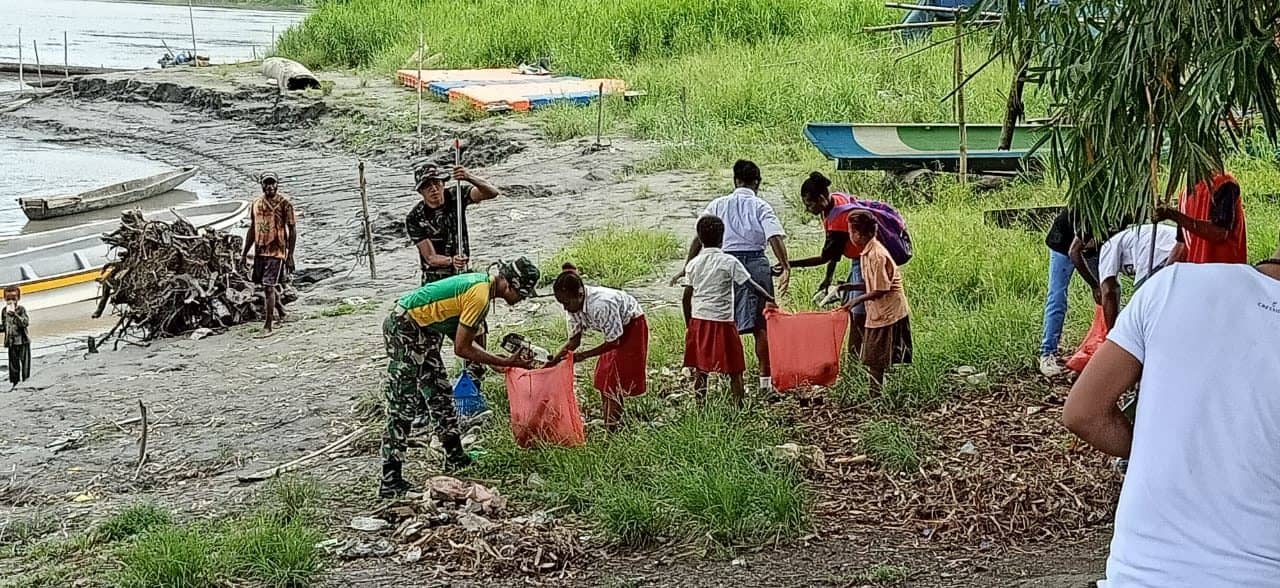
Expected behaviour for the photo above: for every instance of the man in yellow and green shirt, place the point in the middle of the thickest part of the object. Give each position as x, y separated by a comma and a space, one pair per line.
454, 307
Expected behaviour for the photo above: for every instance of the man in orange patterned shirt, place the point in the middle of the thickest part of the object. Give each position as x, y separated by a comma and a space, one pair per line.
272, 235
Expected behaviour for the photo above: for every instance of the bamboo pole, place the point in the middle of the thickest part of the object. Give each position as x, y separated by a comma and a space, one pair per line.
22, 80
66, 57
464, 242
39, 69
419, 83
923, 25
939, 9
191, 15
960, 118
368, 230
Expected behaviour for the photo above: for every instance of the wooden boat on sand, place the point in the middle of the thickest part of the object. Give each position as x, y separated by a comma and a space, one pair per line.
42, 208
61, 266
12, 105
905, 147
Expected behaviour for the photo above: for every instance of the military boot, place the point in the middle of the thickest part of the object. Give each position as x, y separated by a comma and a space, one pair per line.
393, 484
455, 458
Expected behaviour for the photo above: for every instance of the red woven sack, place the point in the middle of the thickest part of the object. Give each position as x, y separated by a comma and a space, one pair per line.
1092, 341
543, 406
805, 347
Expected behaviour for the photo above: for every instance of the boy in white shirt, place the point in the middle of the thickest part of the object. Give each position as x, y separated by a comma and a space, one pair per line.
711, 341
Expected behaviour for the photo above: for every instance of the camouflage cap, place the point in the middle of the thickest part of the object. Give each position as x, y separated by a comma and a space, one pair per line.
522, 274
429, 172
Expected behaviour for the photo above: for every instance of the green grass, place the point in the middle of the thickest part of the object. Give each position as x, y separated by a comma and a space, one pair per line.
724, 78
346, 308
132, 521
277, 553
886, 575
700, 475
26, 529
616, 256
892, 445
170, 557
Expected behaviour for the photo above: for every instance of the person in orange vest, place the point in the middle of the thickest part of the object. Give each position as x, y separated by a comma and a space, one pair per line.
1211, 219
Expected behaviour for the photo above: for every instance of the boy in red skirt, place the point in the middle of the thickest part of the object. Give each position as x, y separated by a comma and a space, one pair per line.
711, 342
622, 370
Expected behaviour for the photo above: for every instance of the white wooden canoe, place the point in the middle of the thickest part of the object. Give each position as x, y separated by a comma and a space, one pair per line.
47, 207
62, 266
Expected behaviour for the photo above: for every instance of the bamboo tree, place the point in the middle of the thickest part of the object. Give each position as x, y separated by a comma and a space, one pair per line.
1132, 80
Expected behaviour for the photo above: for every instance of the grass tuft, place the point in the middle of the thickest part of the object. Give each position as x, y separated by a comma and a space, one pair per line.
132, 521
277, 553
886, 574
294, 499
892, 445
169, 557
615, 256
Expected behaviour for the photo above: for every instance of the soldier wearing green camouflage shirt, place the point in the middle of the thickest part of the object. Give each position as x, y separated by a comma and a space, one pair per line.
454, 307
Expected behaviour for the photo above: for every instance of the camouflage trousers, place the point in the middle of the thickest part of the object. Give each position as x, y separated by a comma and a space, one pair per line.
417, 384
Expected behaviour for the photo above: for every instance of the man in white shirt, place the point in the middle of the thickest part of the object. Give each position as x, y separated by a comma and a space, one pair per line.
1200, 505
1129, 252
750, 224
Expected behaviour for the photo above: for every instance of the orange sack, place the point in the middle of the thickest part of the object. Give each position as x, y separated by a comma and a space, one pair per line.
805, 347
543, 406
1092, 341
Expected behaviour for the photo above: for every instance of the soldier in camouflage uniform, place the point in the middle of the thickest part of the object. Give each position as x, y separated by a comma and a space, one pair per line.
454, 307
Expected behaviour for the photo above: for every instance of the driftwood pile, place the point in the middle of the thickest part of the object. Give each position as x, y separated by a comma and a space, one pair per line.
171, 278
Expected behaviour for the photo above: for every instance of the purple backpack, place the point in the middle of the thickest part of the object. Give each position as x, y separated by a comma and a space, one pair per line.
892, 228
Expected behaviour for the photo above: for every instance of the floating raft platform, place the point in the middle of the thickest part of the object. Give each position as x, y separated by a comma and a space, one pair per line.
499, 90
907, 147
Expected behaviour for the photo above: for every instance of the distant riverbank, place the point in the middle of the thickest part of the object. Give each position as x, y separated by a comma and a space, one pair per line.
254, 4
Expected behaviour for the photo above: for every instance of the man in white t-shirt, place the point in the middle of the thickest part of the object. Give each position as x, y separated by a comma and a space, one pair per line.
1129, 252
1200, 505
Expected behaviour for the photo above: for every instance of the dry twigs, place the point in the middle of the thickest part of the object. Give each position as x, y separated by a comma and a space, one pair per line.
170, 278
1022, 479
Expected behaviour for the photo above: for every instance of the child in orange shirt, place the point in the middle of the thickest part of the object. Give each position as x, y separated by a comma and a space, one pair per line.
887, 338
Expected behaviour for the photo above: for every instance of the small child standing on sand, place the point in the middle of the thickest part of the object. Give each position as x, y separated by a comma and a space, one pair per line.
14, 320
711, 342
887, 336
623, 367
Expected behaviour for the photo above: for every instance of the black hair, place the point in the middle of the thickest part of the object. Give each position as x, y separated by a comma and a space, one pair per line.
815, 185
710, 231
569, 281
746, 172
16, 291
863, 223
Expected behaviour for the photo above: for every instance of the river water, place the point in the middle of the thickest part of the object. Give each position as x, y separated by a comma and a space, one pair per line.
133, 35
124, 35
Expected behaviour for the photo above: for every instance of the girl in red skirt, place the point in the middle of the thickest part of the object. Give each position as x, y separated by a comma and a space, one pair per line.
711, 341
622, 370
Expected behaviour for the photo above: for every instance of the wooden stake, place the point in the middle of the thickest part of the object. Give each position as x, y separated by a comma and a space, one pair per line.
39, 70
368, 230
960, 122
421, 50
142, 442
22, 80
66, 57
600, 116
191, 15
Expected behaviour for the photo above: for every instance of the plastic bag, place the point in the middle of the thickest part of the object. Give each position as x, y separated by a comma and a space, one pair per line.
543, 406
805, 348
1092, 341
466, 396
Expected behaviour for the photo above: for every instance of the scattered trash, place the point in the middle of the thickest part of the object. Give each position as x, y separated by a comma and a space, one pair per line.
969, 448
355, 301
475, 523
71, 440
966, 370
413, 555
535, 480
1034, 409
978, 379
369, 524
738, 562
201, 333
809, 456
356, 549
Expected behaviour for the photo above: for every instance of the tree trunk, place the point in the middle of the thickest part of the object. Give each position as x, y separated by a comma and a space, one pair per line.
1014, 108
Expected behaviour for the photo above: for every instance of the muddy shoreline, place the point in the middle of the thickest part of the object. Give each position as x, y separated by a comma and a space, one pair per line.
233, 403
